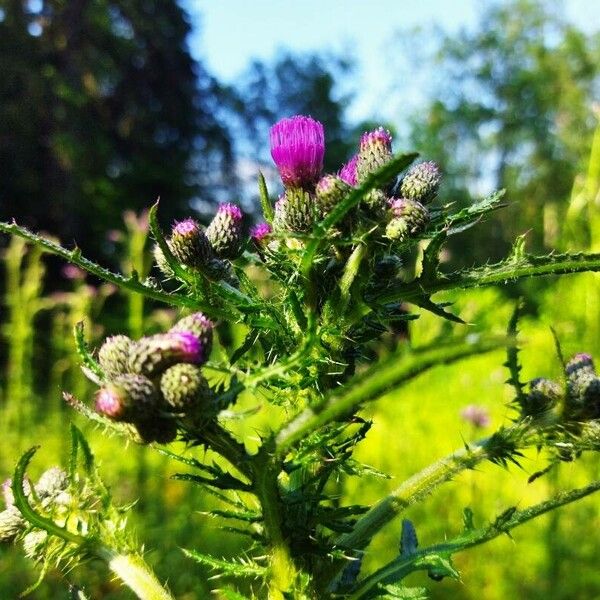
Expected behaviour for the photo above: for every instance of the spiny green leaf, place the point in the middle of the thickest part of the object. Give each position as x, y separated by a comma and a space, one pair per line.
265, 201
512, 353
235, 567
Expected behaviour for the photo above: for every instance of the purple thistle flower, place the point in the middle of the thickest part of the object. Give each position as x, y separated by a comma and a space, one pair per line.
348, 171
379, 137
187, 346
297, 148
233, 211
478, 416
186, 227
260, 231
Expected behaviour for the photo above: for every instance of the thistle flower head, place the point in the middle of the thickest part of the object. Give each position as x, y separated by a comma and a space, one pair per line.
183, 387
414, 214
297, 148
422, 181
199, 325
185, 228
544, 394
295, 210
330, 190
114, 355
260, 231
348, 172
375, 152
127, 398
580, 362
225, 231
188, 244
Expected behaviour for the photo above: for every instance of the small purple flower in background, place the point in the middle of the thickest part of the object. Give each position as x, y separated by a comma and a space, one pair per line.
72, 272
260, 231
297, 148
348, 171
478, 416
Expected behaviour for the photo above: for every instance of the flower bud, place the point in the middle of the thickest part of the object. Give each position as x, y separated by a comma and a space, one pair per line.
583, 394
11, 524
53, 481
184, 388
422, 182
397, 229
297, 148
225, 231
189, 243
151, 355
414, 214
544, 395
375, 152
348, 172
259, 232
33, 544
579, 363
200, 326
156, 429
127, 397
114, 355
329, 192
294, 211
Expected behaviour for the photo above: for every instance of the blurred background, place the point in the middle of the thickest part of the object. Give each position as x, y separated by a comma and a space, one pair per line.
107, 104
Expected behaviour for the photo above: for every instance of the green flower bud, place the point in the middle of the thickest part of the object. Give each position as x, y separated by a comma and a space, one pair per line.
52, 482
397, 229
330, 191
184, 388
114, 355
156, 429
151, 355
375, 152
11, 524
127, 398
225, 231
189, 243
422, 182
200, 326
414, 214
33, 544
294, 211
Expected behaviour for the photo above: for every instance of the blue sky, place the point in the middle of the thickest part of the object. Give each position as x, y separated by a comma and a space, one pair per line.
231, 32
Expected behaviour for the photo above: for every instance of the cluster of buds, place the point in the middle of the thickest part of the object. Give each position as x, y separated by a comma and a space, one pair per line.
152, 382
297, 148
578, 401
50, 493
205, 250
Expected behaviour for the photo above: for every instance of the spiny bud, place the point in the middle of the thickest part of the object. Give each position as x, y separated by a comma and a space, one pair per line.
156, 429
151, 355
397, 229
198, 324
189, 243
53, 481
294, 211
375, 152
33, 544
7, 492
161, 262
581, 362
583, 393
114, 355
421, 182
543, 396
225, 231
11, 524
184, 388
330, 191
127, 397
413, 212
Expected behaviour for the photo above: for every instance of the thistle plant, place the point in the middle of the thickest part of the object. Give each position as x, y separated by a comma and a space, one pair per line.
313, 288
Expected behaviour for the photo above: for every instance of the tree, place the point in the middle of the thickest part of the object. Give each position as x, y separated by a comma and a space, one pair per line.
102, 108
514, 101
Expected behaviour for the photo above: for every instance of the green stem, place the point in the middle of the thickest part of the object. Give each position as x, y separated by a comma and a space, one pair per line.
426, 558
500, 273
